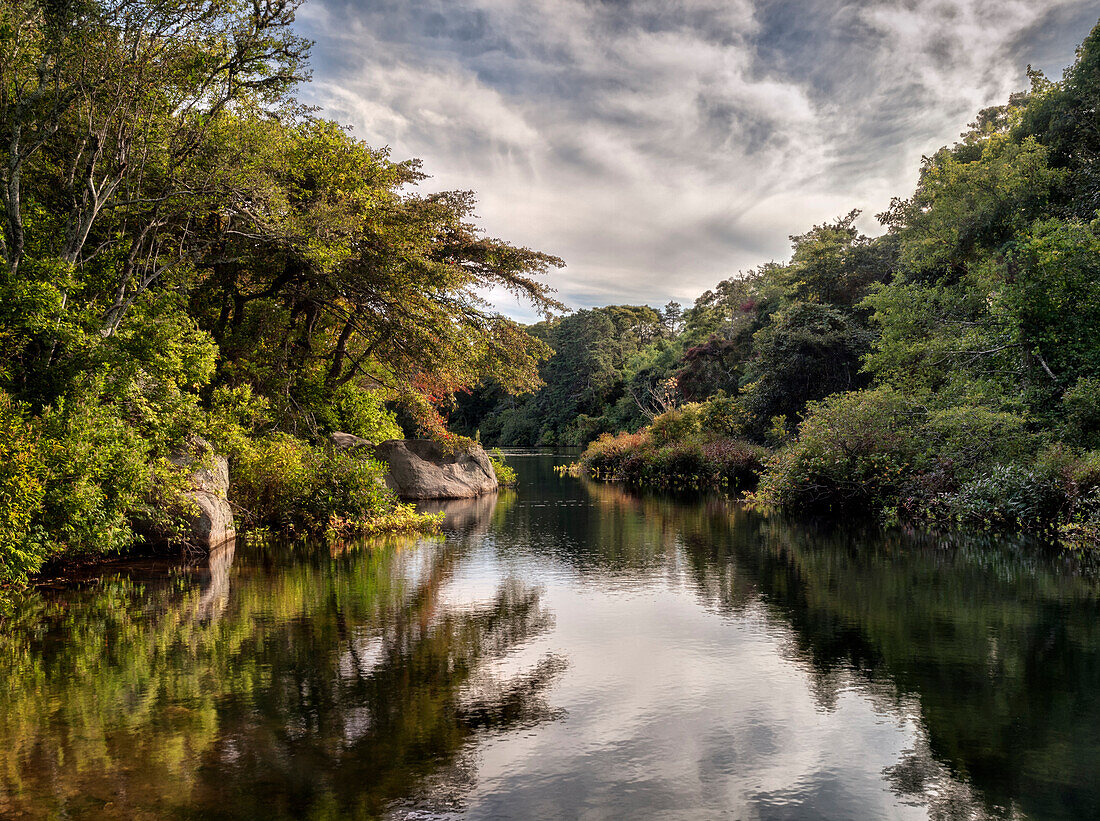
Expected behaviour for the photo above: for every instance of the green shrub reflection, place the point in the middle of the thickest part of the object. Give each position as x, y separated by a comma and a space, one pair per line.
326, 687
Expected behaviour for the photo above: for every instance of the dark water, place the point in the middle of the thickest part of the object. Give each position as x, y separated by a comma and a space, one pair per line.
567, 651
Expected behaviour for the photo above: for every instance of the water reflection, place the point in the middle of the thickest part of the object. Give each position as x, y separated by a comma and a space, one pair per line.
568, 650
993, 649
283, 686
471, 517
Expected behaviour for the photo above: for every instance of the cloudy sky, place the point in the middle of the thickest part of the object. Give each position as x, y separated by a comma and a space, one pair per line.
659, 146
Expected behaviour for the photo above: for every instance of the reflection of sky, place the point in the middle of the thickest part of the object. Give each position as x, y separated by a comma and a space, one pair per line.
669, 710
661, 145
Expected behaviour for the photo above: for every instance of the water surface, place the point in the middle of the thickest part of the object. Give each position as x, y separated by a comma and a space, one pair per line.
565, 651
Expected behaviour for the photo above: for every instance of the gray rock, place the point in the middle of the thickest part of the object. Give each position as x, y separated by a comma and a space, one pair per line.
212, 523
419, 469
349, 441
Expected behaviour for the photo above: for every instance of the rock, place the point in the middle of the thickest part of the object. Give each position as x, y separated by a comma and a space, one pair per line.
212, 524
349, 441
419, 469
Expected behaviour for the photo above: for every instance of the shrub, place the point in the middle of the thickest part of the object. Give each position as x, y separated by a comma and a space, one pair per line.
605, 458
1081, 407
733, 463
680, 464
967, 439
724, 416
402, 519
1009, 496
694, 462
101, 473
1080, 529
363, 413
505, 473
853, 451
676, 424
281, 481
22, 490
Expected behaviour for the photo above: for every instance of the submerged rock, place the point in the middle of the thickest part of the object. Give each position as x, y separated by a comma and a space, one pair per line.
211, 524
419, 469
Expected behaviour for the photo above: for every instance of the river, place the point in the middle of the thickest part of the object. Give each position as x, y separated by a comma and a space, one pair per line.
565, 650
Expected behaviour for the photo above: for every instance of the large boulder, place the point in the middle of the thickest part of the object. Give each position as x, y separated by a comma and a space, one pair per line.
210, 522
419, 469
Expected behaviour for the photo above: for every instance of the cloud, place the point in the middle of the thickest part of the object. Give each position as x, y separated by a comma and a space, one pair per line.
659, 146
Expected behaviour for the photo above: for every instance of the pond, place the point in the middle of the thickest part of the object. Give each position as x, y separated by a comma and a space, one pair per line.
565, 650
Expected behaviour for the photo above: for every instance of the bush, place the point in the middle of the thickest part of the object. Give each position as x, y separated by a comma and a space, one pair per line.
853, 451
966, 440
1080, 528
677, 424
1009, 496
604, 458
505, 473
681, 465
102, 473
22, 491
734, 463
695, 462
280, 481
1081, 408
724, 416
363, 413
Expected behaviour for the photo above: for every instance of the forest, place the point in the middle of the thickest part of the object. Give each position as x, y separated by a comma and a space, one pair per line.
946, 371
188, 253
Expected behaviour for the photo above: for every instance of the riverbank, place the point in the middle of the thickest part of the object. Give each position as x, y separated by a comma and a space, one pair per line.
483, 672
877, 454
207, 492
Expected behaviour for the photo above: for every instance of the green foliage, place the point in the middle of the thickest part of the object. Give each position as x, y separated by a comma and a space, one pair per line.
724, 415
806, 352
1008, 495
22, 473
281, 482
102, 475
853, 452
186, 250
676, 424
401, 519
606, 365
1081, 410
363, 413
963, 206
505, 473
675, 452
1051, 301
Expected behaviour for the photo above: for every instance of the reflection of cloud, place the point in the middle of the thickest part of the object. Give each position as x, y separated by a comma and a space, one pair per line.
659, 146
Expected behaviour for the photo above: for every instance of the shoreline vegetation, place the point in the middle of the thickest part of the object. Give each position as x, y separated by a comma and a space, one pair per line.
188, 251
946, 372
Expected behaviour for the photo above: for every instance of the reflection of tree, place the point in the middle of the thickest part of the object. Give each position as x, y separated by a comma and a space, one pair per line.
329, 685
996, 649
918, 777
